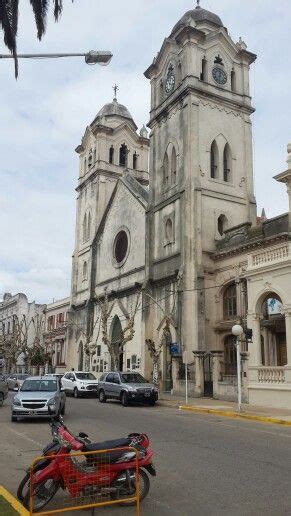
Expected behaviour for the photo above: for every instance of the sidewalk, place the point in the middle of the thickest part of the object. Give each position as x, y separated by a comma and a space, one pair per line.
227, 409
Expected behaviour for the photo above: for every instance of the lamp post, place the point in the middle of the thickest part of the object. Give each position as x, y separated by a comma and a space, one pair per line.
102, 57
237, 331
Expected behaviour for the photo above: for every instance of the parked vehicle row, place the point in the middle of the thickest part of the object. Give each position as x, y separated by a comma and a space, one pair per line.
38, 396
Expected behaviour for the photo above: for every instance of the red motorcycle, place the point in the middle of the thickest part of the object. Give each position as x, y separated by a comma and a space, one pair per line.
112, 474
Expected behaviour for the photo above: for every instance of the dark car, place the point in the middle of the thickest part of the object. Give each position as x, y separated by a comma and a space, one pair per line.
126, 387
3, 389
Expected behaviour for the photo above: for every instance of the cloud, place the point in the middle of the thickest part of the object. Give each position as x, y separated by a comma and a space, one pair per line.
44, 115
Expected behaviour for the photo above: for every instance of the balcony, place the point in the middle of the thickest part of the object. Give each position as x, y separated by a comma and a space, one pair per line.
271, 256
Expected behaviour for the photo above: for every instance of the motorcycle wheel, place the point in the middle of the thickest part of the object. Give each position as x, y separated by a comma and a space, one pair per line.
144, 487
43, 494
21, 487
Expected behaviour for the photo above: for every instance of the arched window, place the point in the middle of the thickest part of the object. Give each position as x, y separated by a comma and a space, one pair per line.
85, 270
111, 154
85, 166
166, 170
174, 166
89, 227
222, 224
95, 155
134, 161
233, 80
90, 159
214, 160
203, 75
226, 164
85, 228
123, 151
230, 302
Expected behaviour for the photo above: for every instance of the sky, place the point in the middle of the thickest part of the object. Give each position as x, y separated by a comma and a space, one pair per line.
45, 112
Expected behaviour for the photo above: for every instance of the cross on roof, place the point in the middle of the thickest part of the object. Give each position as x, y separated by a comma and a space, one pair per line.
115, 89
198, 3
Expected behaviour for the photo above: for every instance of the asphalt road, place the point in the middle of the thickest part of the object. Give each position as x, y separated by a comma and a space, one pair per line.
205, 465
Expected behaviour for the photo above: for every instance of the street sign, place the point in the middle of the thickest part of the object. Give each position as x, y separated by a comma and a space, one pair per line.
175, 349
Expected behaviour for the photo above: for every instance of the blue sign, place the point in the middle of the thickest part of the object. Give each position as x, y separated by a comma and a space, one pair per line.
175, 349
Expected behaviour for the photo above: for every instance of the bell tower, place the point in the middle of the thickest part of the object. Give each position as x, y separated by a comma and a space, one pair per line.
200, 156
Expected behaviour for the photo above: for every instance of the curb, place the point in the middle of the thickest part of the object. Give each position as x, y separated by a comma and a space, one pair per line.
13, 502
235, 415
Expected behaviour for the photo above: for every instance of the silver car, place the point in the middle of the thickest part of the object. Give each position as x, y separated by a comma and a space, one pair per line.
16, 380
39, 396
126, 387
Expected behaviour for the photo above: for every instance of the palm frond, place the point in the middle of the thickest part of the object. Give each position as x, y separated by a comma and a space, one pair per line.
9, 24
40, 8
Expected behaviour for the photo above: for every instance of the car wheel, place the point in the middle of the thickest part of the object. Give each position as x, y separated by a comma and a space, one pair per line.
76, 393
124, 399
1, 399
102, 397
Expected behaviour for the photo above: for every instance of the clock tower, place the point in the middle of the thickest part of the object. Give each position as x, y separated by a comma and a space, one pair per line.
201, 161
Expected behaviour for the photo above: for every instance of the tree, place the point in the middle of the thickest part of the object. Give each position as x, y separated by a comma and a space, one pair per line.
15, 342
164, 328
9, 21
127, 333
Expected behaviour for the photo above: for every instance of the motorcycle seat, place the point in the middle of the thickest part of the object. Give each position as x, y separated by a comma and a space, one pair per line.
107, 445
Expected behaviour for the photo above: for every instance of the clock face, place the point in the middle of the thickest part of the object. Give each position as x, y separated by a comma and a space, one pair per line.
170, 83
219, 75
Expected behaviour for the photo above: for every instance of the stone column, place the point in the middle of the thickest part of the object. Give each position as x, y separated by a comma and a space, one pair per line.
216, 372
288, 335
175, 375
245, 381
255, 348
199, 372
266, 346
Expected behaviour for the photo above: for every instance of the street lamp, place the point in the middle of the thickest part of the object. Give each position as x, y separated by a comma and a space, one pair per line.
102, 57
237, 331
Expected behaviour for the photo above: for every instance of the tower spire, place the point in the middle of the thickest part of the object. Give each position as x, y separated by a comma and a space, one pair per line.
198, 4
115, 89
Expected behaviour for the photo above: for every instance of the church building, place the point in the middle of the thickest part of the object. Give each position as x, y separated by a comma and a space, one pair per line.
170, 252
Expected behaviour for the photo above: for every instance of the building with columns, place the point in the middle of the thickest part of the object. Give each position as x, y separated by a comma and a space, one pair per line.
178, 242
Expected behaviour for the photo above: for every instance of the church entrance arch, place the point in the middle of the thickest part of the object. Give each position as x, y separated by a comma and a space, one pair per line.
116, 341
81, 357
273, 331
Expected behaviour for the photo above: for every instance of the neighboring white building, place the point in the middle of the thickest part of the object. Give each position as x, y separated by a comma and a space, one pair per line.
185, 234
15, 313
55, 334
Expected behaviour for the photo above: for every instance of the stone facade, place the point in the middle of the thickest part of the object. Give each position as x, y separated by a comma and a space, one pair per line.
16, 315
179, 251
55, 334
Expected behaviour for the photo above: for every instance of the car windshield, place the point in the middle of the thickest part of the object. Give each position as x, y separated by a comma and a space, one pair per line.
85, 376
133, 378
39, 386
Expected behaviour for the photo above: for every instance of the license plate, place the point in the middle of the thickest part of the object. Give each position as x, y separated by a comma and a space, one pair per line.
31, 412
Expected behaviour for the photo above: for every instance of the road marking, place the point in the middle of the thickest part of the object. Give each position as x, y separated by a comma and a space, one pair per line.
25, 437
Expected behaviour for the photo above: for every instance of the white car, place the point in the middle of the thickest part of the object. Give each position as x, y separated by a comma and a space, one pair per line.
79, 383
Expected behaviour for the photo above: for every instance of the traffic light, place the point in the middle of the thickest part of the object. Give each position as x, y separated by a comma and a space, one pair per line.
249, 334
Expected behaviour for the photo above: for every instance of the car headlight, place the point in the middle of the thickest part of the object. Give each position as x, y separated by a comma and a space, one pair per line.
17, 402
52, 402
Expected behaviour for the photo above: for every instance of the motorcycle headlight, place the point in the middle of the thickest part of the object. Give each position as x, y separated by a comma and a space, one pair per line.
17, 402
